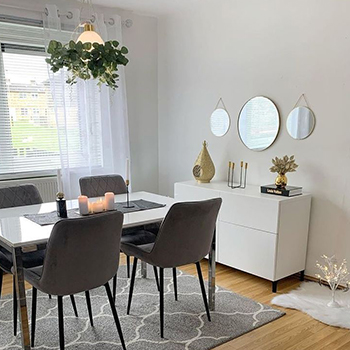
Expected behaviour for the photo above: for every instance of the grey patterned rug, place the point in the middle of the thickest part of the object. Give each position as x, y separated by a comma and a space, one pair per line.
186, 324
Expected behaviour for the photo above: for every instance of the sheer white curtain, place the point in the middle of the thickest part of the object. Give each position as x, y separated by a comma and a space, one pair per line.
92, 122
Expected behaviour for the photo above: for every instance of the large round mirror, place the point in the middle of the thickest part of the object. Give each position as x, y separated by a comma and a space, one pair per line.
258, 123
219, 122
300, 123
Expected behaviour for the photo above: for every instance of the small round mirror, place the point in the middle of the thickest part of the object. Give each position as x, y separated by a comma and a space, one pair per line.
258, 123
219, 122
300, 123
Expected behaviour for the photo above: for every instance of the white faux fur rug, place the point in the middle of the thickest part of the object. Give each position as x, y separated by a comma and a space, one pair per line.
312, 299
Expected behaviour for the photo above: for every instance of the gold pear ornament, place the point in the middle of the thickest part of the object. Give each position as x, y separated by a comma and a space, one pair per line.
203, 169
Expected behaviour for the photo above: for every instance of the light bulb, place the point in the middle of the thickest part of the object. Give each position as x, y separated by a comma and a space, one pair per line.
89, 35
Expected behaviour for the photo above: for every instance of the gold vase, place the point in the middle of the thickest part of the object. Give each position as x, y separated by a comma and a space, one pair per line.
203, 169
281, 181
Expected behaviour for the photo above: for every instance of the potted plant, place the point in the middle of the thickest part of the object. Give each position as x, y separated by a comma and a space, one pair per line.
88, 61
282, 166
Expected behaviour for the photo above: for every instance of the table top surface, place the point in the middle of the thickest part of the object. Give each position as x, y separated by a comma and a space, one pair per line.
17, 231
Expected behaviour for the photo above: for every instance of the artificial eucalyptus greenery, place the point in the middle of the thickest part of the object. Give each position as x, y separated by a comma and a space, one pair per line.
87, 61
283, 165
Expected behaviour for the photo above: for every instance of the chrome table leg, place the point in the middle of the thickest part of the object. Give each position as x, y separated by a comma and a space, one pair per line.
211, 274
21, 295
143, 269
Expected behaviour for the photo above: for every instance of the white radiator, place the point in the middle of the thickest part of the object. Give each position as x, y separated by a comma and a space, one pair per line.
47, 186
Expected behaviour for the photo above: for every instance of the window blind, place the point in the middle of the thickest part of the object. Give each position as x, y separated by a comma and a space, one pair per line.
41, 117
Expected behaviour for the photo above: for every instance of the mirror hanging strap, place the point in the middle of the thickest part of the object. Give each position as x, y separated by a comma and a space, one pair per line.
299, 99
222, 102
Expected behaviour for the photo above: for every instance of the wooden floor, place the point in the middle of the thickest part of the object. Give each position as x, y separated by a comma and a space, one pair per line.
295, 331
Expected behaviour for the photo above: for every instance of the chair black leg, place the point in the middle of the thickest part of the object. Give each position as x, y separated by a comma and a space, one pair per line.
131, 289
1, 278
50, 297
175, 282
114, 287
15, 308
115, 315
302, 275
156, 276
34, 302
74, 305
161, 304
88, 302
201, 282
60, 321
128, 265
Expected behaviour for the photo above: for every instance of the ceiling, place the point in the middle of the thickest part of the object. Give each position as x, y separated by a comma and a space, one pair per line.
152, 7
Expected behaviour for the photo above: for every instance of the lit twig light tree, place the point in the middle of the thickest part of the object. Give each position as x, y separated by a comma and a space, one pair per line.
334, 274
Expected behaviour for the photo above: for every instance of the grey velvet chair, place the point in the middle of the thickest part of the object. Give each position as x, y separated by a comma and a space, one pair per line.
17, 196
184, 237
97, 186
81, 254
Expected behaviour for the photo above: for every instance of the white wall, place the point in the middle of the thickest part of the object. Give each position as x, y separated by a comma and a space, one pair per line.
237, 49
141, 82
142, 92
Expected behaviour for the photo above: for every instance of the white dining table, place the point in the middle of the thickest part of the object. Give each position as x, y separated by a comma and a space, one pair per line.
19, 234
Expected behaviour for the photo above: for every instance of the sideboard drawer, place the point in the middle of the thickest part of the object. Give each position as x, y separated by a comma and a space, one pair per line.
258, 213
247, 249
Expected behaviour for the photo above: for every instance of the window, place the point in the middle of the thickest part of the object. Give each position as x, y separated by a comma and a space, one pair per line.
33, 142
28, 112
24, 111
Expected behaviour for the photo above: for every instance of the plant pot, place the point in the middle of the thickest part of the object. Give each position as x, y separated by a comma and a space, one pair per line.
281, 181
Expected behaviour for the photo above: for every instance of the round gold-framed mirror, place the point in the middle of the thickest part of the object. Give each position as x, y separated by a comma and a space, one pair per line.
220, 122
301, 123
258, 123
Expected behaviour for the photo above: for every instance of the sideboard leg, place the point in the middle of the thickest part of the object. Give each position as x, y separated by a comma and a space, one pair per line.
302, 275
274, 286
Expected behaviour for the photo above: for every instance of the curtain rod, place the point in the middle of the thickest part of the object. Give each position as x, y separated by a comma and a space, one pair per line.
128, 23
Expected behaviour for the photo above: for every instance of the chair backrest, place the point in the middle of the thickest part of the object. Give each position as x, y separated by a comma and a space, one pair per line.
18, 196
186, 233
97, 186
82, 254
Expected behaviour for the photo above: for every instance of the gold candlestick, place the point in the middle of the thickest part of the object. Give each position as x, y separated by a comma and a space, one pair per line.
229, 173
245, 175
232, 173
240, 176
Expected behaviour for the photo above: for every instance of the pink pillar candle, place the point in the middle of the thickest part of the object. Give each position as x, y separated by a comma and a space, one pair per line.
83, 205
109, 201
97, 207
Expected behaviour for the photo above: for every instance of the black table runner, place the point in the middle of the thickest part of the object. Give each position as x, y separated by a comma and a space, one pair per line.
51, 217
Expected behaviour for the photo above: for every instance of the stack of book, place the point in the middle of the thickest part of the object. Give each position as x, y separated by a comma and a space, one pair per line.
288, 191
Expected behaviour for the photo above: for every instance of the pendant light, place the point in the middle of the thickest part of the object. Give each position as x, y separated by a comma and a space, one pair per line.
89, 35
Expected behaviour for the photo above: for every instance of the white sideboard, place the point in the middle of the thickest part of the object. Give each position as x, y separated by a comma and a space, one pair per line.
262, 234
